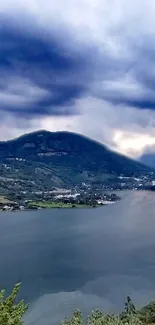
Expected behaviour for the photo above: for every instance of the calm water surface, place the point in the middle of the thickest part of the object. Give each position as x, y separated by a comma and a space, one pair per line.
88, 259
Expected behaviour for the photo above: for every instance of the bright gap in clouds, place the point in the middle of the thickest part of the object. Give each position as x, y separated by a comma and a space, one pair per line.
132, 144
85, 66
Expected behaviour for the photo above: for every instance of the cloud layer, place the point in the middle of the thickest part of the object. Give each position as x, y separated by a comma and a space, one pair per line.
86, 66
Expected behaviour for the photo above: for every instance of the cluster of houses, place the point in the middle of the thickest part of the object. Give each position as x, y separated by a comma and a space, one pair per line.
13, 206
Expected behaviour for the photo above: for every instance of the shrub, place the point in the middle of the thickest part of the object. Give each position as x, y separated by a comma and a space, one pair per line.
11, 313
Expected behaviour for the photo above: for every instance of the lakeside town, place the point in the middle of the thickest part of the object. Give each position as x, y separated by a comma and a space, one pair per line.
58, 198
85, 196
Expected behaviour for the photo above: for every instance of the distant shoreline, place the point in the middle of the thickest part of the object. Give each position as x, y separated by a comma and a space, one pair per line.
60, 205
29, 205
66, 206
37, 208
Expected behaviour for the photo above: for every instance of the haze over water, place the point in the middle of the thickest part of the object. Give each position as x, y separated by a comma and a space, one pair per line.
80, 258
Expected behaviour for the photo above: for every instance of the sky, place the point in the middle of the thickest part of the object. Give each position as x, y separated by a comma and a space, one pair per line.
85, 66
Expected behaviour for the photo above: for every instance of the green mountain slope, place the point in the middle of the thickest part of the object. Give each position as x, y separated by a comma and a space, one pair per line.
44, 159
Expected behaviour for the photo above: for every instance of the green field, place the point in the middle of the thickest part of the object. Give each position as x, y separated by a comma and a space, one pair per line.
50, 205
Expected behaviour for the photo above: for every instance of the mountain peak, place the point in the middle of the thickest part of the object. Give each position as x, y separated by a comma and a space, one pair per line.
64, 158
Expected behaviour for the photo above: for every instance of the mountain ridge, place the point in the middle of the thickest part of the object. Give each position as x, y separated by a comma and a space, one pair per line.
50, 159
43, 131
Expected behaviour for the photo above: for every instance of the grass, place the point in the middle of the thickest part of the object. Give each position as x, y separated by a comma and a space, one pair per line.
62, 205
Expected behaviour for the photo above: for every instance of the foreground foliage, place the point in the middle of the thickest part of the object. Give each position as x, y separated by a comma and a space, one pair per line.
11, 313
98, 318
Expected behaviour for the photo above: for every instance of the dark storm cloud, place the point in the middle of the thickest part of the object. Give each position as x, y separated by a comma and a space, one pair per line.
138, 103
41, 74
38, 76
128, 79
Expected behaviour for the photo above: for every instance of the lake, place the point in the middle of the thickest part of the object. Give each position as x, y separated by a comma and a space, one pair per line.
80, 258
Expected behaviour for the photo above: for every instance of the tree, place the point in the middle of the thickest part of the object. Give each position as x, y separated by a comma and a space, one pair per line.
75, 320
10, 312
130, 315
129, 307
147, 313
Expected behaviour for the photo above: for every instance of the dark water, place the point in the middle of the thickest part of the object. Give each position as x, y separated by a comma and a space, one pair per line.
80, 258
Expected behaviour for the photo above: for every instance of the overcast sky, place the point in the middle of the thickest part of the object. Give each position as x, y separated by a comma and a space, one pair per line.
79, 65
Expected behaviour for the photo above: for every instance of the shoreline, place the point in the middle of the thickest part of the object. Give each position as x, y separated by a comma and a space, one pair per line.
53, 208
65, 206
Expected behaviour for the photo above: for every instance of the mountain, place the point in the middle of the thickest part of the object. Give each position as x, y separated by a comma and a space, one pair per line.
148, 159
42, 160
